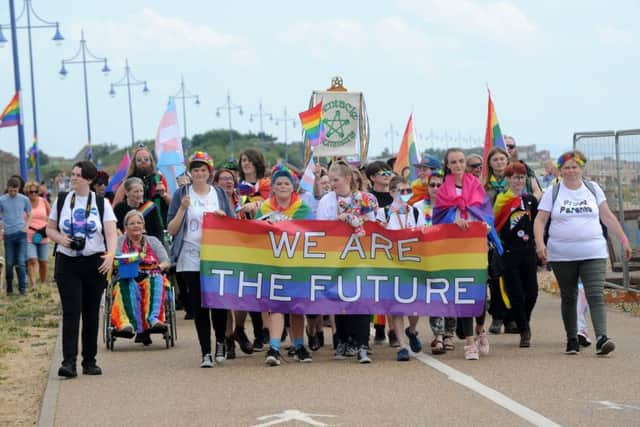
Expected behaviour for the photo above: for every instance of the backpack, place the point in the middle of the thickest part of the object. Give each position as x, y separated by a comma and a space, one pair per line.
554, 195
62, 197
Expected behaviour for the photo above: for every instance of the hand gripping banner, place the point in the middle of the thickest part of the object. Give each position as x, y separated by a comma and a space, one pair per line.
322, 267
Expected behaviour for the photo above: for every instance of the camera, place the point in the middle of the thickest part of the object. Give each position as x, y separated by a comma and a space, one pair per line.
77, 243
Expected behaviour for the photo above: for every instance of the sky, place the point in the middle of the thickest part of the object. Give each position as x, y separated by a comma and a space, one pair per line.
553, 67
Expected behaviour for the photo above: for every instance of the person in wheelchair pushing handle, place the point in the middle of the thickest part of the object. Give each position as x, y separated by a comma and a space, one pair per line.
138, 297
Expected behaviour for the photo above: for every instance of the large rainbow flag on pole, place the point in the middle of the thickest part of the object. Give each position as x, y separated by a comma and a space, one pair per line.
324, 267
493, 136
312, 124
11, 114
407, 154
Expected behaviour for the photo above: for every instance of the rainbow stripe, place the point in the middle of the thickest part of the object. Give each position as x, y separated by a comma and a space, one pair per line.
408, 154
11, 114
146, 208
312, 124
242, 269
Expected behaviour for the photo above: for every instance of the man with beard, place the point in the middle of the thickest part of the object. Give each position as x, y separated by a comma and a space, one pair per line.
143, 166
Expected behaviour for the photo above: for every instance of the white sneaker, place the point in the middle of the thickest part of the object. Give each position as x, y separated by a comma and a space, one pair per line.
207, 361
482, 342
471, 352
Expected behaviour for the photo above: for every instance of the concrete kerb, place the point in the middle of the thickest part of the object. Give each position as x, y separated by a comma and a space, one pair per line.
49, 403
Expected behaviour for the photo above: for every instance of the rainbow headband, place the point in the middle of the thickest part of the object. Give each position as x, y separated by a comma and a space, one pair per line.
570, 156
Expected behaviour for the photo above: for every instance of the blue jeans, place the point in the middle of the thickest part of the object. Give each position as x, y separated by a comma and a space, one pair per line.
15, 251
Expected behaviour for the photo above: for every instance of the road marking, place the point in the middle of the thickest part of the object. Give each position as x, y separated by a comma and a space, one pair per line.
615, 405
495, 396
292, 415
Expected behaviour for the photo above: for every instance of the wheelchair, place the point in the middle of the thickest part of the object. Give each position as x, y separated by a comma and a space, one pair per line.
110, 334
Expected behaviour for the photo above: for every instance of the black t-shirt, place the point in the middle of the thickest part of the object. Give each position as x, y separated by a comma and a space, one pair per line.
384, 198
517, 233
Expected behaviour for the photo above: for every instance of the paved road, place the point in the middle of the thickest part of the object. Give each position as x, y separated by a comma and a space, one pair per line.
510, 387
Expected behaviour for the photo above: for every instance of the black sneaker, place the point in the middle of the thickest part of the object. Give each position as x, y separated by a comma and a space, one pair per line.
91, 370
496, 326
314, 343
583, 340
220, 352
393, 339
379, 338
258, 344
604, 346
231, 348
414, 341
511, 328
67, 371
339, 354
244, 343
302, 355
572, 346
272, 358
291, 351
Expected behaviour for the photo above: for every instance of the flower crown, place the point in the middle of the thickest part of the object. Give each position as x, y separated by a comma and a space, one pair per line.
570, 156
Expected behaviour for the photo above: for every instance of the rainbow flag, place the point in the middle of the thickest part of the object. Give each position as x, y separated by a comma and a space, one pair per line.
324, 267
493, 135
11, 114
119, 174
312, 124
408, 154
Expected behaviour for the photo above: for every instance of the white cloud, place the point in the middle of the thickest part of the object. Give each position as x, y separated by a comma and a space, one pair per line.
618, 37
148, 31
500, 22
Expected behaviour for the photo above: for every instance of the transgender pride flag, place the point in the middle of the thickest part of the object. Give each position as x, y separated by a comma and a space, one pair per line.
169, 147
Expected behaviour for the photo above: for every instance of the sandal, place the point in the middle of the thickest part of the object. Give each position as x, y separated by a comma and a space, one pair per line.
448, 344
437, 346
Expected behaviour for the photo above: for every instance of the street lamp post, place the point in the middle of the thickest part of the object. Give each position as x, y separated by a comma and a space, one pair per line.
286, 119
230, 106
184, 94
80, 57
129, 80
57, 37
260, 114
391, 134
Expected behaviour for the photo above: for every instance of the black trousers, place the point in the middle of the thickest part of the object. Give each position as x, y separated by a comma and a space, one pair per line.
80, 286
204, 317
183, 292
355, 326
521, 284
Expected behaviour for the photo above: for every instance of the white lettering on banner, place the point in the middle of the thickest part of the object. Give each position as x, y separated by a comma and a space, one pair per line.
246, 284
222, 273
308, 244
442, 291
316, 287
276, 247
402, 249
273, 287
459, 290
386, 245
376, 285
345, 298
414, 291
353, 244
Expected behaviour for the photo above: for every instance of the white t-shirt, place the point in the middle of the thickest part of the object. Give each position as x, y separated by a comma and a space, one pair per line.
90, 228
575, 232
398, 221
189, 259
328, 207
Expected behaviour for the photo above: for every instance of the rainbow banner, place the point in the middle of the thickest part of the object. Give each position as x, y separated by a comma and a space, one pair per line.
407, 154
11, 114
312, 124
322, 267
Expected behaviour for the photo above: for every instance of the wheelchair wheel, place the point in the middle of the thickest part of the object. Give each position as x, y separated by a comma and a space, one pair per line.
174, 328
107, 336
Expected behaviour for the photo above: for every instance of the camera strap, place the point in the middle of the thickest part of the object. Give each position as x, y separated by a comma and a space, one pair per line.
87, 212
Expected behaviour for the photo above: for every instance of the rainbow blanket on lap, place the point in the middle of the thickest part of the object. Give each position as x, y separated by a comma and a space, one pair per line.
324, 267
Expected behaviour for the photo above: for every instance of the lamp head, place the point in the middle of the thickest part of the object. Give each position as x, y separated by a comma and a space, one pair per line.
3, 39
63, 72
105, 69
57, 37
112, 92
145, 89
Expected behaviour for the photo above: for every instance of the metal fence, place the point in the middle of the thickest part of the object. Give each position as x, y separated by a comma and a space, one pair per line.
614, 163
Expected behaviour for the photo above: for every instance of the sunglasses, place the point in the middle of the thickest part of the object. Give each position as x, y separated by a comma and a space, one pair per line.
403, 191
476, 166
511, 146
435, 184
143, 160
33, 192
385, 172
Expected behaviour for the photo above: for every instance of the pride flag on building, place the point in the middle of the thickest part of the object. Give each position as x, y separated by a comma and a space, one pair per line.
310, 267
11, 114
312, 124
407, 154
493, 136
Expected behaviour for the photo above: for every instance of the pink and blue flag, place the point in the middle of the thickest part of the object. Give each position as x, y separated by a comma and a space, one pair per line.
169, 147
119, 174
308, 178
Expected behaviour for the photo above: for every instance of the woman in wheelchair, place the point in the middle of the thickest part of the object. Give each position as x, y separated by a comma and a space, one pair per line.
138, 303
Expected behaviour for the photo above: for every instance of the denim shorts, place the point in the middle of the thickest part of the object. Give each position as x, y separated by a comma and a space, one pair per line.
40, 251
